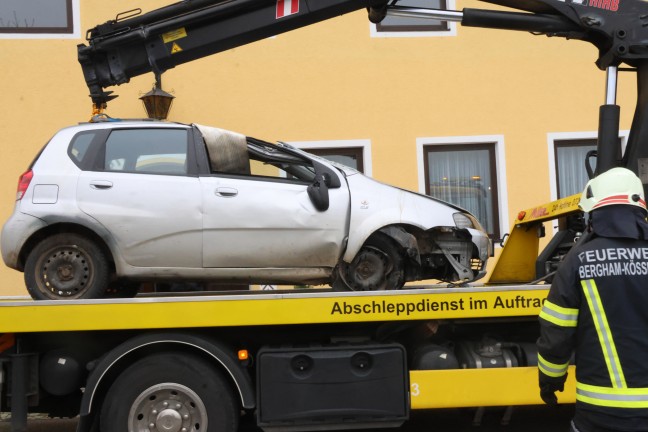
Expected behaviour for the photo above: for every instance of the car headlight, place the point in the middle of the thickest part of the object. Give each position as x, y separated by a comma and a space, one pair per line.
465, 220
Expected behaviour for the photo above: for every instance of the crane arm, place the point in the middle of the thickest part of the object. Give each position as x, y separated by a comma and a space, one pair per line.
134, 44
618, 28
189, 30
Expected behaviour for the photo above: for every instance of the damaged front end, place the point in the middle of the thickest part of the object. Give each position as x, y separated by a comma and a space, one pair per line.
450, 255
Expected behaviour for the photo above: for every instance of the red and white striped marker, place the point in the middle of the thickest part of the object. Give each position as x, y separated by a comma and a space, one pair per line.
287, 7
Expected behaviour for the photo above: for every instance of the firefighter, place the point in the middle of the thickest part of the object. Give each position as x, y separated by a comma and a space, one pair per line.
597, 309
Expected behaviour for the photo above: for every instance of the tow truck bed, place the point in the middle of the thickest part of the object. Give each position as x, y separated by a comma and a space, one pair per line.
19, 315
475, 387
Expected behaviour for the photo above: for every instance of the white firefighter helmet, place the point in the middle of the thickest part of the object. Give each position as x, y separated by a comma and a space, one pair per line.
615, 186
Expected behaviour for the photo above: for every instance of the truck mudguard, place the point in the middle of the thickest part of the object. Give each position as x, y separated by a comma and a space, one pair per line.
119, 357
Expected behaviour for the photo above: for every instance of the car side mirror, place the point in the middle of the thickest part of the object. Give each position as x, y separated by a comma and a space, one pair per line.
318, 192
327, 178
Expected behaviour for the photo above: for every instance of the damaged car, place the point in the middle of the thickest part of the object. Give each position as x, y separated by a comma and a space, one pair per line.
106, 206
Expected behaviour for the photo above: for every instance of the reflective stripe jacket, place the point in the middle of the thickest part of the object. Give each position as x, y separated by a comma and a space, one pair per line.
598, 307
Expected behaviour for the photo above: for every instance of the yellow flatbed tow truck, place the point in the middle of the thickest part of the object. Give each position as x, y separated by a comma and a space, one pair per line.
306, 360
303, 359
299, 360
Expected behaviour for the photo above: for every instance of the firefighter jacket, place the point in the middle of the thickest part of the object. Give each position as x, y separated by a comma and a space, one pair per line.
597, 308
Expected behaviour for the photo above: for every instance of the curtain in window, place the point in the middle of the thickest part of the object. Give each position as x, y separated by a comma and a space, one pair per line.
571, 173
463, 178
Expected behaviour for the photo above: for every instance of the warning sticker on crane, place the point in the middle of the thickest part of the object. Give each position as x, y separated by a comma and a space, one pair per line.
287, 7
174, 35
175, 48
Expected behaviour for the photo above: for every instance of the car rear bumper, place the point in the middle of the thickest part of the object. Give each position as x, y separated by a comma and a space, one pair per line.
15, 233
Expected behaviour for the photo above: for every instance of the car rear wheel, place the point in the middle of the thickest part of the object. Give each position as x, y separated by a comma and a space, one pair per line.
66, 266
378, 266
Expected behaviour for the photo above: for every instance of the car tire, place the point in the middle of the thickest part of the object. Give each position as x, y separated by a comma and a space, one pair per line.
66, 266
378, 266
170, 391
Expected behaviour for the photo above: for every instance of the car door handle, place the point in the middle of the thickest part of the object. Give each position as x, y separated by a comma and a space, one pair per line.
226, 192
101, 184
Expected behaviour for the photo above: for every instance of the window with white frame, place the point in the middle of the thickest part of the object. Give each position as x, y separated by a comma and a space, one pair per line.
352, 153
350, 156
571, 175
465, 174
38, 18
568, 152
395, 26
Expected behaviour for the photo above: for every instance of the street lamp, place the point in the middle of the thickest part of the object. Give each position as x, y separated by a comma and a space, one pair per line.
157, 102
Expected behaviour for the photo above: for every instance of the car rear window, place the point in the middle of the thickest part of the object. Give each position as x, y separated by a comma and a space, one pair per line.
154, 151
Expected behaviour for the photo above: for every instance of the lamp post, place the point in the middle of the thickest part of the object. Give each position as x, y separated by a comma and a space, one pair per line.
157, 102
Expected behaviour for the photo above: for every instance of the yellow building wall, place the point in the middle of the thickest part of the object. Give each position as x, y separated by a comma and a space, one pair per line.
331, 81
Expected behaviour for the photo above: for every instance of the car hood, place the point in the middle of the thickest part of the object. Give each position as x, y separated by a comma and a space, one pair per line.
456, 207
350, 172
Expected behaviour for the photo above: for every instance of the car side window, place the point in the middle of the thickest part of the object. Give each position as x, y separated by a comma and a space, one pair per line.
152, 151
79, 147
267, 160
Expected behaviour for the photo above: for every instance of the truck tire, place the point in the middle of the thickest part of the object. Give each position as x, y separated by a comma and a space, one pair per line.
170, 392
378, 266
66, 266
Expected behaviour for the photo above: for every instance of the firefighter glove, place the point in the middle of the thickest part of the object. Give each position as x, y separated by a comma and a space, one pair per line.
549, 386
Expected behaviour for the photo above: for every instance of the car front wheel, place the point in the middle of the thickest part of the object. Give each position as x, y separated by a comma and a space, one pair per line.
378, 266
66, 266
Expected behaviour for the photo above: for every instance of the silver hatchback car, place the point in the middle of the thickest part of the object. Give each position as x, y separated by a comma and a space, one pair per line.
108, 205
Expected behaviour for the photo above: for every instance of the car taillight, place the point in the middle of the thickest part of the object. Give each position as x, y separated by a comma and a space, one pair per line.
23, 184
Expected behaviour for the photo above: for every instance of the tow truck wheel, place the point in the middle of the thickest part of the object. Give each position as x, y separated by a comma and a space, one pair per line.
66, 266
378, 266
171, 392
